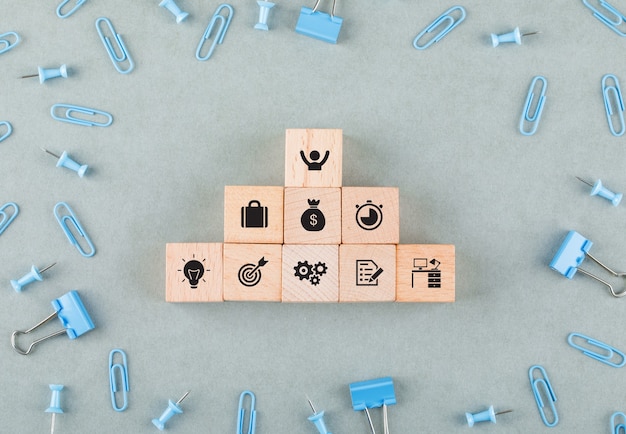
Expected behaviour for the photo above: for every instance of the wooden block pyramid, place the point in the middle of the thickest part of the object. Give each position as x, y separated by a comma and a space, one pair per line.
312, 240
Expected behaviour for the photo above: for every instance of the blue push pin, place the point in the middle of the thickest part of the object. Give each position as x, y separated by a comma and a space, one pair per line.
68, 163
48, 73
598, 189
171, 6
318, 419
171, 410
55, 401
264, 13
488, 415
514, 36
30, 277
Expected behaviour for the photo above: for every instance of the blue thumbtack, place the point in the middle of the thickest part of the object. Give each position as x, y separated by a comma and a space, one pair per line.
318, 419
171, 6
48, 73
55, 403
598, 189
171, 410
264, 12
514, 36
488, 415
68, 163
31, 276
373, 394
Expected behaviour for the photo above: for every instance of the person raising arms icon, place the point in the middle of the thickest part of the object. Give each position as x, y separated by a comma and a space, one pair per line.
314, 164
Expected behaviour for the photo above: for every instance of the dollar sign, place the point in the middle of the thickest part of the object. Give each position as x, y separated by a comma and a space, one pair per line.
313, 220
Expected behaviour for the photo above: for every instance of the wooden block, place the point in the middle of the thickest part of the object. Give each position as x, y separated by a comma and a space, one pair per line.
313, 158
367, 272
425, 273
312, 215
193, 272
253, 214
370, 215
253, 272
310, 273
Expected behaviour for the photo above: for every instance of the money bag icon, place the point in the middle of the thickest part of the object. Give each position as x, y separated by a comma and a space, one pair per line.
313, 219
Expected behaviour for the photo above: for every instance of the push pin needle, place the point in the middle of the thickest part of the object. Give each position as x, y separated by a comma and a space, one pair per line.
488, 415
64, 160
48, 73
598, 189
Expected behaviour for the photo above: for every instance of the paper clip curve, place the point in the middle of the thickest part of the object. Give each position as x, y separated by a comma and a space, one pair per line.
120, 369
84, 110
5, 219
618, 428
241, 413
6, 44
219, 37
111, 51
606, 358
71, 217
619, 102
443, 18
9, 130
78, 4
545, 382
611, 23
536, 116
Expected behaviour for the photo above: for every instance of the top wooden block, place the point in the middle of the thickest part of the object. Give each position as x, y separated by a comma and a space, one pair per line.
313, 157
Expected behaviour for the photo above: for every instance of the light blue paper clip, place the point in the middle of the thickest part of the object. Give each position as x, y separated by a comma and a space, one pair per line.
373, 394
611, 22
68, 216
117, 59
319, 25
8, 132
444, 19
118, 370
78, 4
543, 383
71, 109
5, 44
608, 352
536, 116
6, 219
618, 427
219, 36
241, 413
616, 93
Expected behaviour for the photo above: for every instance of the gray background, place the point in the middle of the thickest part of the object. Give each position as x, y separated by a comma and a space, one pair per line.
440, 124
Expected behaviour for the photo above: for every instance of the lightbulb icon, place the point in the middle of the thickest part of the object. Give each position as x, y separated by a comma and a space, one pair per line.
193, 271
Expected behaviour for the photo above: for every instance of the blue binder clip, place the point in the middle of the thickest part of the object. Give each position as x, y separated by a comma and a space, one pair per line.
71, 312
543, 383
6, 44
618, 427
67, 215
118, 370
78, 4
6, 218
118, 59
69, 117
319, 25
572, 253
536, 116
606, 355
613, 21
219, 35
614, 92
241, 413
373, 394
444, 19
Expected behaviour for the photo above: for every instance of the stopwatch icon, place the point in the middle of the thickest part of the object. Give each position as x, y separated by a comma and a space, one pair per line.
369, 216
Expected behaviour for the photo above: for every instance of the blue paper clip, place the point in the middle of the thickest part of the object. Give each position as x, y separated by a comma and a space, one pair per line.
611, 22
9, 130
606, 357
536, 116
71, 312
69, 216
373, 394
444, 19
6, 219
618, 427
78, 4
118, 370
117, 59
219, 36
607, 92
241, 413
544, 382
319, 25
70, 109
5, 44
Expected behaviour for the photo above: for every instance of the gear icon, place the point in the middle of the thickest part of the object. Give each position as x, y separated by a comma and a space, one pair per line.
320, 268
315, 280
303, 270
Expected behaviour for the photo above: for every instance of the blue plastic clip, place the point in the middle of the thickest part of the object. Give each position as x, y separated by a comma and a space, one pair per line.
264, 12
546, 387
219, 36
373, 394
536, 116
241, 413
5, 218
120, 58
78, 4
606, 357
68, 216
9, 128
319, 25
615, 92
611, 22
444, 19
5, 44
71, 109
118, 370
618, 427
71, 312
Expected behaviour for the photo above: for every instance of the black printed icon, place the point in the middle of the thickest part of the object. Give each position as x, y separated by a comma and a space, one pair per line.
421, 271
314, 163
312, 273
254, 215
313, 219
369, 216
367, 272
193, 271
250, 274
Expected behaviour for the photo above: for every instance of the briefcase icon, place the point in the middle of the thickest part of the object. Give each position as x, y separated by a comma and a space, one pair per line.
254, 215
319, 25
